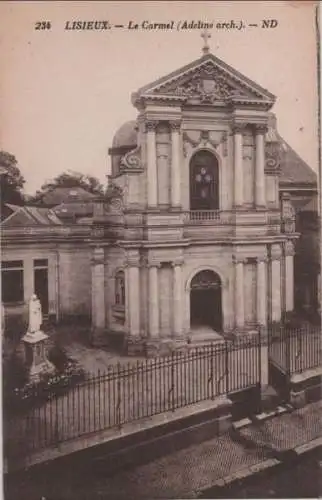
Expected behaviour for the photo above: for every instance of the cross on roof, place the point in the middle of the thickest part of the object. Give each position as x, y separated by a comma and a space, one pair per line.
205, 35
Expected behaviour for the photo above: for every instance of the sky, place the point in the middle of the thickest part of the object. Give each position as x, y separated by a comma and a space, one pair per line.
64, 93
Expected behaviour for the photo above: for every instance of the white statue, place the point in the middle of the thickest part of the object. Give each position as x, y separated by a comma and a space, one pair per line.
35, 315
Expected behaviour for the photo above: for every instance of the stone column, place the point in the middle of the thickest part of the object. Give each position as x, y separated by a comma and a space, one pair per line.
239, 293
261, 293
276, 254
153, 301
151, 164
177, 309
260, 195
238, 166
289, 276
134, 298
175, 164
98, 293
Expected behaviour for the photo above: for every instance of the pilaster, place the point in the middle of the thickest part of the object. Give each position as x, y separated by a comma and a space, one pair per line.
153, 300
276, 255
261, 292
238, 165
178, 296
133, 285
175, 163
152, 187
239, 263
98, 294
289, 275
260, 195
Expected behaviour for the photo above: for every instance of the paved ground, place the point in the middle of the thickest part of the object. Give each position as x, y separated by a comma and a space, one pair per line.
186, 473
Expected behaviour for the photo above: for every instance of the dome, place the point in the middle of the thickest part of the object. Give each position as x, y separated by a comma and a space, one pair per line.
126, 135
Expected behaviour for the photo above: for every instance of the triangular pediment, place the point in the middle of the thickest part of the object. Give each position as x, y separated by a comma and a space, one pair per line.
207, 80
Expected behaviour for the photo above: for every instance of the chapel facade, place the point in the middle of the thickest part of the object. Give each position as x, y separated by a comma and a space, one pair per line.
193, 240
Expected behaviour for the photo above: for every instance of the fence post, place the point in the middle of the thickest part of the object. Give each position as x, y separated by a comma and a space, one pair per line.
259, 354
212, 370
287, 336
172, 382
118, 406
227, 367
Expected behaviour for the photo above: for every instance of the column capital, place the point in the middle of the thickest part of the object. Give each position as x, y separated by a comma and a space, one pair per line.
276, 252
98, 256
261, 258
289, 248
151, 125
175, 125
133, 259
239, 259
177, 262
260, 129
152, 264
238, 128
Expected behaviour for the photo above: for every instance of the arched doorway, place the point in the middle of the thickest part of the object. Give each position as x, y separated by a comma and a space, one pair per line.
205, 301
204, 181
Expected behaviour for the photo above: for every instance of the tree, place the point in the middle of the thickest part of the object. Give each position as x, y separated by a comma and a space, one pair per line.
12, 181
71, 179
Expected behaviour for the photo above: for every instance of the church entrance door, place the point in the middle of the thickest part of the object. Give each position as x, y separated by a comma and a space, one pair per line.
205, 301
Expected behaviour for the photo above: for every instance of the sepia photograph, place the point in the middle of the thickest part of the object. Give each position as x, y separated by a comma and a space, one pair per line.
160, 250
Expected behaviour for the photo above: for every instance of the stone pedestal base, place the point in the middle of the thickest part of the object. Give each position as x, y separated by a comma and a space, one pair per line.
142, 346
36, 356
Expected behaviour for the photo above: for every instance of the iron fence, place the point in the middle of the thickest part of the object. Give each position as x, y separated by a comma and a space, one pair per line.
126, 393
295, 350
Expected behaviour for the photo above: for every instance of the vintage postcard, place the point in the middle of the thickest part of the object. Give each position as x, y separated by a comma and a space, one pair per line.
160, 250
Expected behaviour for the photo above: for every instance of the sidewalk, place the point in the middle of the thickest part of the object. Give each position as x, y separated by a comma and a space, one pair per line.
186, 473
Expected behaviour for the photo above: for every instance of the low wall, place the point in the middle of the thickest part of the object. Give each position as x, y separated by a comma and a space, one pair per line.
306, 387
138, 442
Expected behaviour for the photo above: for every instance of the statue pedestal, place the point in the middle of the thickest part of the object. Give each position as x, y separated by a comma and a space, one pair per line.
35, 355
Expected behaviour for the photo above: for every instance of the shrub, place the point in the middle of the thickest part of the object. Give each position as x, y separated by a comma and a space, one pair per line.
21, 395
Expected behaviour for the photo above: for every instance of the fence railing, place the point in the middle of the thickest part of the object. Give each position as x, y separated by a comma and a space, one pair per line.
126, 393
295, 350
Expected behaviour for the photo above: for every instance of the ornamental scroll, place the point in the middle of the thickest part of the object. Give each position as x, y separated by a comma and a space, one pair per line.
131, 162
114, 197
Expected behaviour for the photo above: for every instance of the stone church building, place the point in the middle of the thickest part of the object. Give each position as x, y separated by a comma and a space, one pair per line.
195, 237
191, 241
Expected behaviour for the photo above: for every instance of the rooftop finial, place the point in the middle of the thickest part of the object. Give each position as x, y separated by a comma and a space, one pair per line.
205, 35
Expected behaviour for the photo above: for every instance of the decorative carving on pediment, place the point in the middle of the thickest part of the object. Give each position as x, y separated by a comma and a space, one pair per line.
207, 84
205, 138
131, 162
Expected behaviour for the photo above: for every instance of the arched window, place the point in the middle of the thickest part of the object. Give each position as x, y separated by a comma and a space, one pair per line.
120, 289
204, 181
